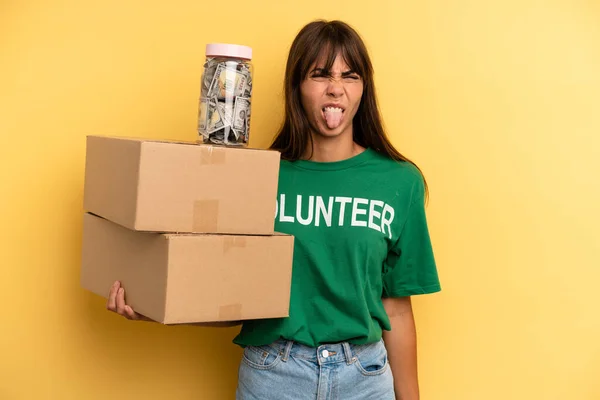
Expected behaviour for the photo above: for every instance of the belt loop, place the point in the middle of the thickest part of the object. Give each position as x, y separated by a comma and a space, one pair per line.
348, 353
287, 350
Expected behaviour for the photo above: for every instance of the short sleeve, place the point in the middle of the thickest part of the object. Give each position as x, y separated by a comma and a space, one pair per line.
410, 267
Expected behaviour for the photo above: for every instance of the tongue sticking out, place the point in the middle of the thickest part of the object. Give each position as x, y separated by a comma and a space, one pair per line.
333, 118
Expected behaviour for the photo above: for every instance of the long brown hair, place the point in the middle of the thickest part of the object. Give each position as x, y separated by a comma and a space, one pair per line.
315, 40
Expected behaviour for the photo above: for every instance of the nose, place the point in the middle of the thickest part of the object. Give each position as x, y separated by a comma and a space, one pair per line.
335, 88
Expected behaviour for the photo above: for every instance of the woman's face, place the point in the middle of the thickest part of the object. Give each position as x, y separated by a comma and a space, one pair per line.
331, 98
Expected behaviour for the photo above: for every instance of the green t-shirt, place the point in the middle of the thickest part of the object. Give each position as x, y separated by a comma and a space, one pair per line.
360, 234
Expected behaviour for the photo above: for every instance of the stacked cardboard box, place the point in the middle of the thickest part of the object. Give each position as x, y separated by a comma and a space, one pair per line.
188, 229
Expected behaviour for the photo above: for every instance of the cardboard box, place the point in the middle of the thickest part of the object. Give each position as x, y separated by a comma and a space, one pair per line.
186, 278
168, 186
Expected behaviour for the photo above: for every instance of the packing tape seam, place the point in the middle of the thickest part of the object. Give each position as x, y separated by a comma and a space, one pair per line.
233, 241
209, 155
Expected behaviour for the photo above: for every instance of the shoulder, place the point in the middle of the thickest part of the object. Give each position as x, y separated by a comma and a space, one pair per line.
287, 166
402, 174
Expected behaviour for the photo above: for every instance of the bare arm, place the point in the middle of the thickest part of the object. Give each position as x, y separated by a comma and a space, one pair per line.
116, 303
401, 343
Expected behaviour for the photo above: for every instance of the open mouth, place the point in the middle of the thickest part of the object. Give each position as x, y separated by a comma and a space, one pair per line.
333, 116
331, 109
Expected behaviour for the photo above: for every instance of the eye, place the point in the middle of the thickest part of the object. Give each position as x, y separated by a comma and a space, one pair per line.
353, 77
319, 76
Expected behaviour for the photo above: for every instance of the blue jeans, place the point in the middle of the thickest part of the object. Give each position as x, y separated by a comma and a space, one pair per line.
287, 370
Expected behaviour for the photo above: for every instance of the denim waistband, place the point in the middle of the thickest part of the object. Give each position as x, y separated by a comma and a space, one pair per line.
324, 354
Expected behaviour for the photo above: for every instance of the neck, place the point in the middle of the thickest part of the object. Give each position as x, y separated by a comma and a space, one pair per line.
331, 149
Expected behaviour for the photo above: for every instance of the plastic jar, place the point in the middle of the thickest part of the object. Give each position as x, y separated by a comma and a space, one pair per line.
226, 95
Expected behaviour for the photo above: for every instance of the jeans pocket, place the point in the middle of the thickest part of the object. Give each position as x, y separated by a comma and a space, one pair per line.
262, 357
373, 360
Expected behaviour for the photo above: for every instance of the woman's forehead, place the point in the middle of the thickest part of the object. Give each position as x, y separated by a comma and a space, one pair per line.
339, 62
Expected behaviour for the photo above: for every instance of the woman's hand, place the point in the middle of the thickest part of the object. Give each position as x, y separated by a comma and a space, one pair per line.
116, 303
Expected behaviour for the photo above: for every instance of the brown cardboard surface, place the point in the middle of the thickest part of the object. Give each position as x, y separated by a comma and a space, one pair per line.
171, 186
187, 278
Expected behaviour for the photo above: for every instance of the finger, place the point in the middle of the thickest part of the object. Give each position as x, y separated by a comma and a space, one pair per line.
129, 313
121, 301
112, 296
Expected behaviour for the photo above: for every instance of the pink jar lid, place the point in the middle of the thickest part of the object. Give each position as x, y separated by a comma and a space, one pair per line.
229, 50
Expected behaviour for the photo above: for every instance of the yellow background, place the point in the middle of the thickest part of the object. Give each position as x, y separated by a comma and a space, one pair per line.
497, 101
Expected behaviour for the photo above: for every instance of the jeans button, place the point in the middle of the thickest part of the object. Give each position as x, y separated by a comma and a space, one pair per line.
325, 354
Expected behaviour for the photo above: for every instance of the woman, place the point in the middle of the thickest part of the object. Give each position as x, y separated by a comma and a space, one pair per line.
356, 208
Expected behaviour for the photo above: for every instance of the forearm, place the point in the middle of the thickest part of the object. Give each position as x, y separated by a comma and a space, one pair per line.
401, 344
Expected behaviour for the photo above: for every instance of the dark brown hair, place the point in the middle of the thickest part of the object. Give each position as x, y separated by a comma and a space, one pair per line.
328, 39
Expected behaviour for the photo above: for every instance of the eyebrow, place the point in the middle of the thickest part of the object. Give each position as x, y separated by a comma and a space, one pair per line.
344, 74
